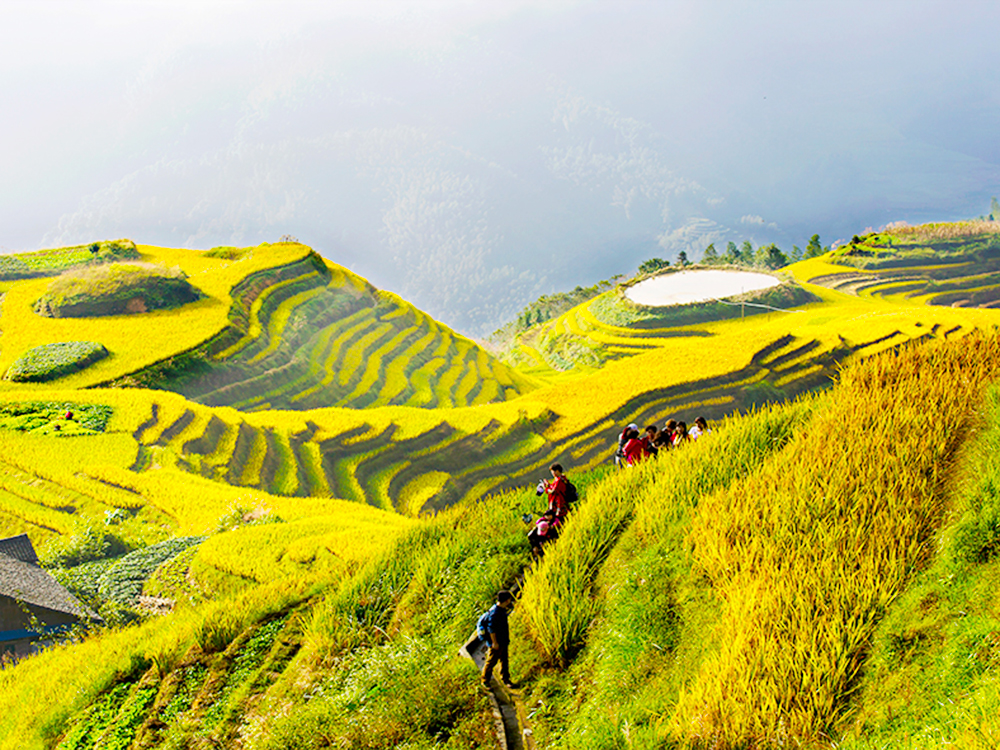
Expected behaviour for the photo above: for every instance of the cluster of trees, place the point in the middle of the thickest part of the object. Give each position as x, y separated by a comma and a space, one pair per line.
768, 256
548, 306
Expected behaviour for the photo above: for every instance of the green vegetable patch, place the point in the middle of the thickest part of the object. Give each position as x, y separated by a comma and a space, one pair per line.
55, 418
51, 361
123, 581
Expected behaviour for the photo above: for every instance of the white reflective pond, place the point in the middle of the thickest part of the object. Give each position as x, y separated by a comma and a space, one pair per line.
685, 287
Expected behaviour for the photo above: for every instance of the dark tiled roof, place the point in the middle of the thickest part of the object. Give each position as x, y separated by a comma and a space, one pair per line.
19, 547
32, 585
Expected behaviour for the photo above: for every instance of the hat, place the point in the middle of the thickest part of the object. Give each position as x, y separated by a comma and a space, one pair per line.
633, 426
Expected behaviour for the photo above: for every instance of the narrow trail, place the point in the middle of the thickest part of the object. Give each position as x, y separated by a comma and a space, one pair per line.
508, 711
510, 718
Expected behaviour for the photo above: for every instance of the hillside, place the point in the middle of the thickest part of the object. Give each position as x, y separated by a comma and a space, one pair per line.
276, 327
324, 487
939, 264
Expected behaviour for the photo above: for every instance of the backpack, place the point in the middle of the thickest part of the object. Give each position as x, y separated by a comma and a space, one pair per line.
571, 495
484, 623
620, 450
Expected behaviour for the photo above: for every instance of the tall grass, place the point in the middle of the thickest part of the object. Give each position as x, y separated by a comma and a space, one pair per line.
808, 552
931, 678
945, 230
558, 602
378, 666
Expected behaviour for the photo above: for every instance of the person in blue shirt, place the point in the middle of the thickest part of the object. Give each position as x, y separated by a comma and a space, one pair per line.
494, 630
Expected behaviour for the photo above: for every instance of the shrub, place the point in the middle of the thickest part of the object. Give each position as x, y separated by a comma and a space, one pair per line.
12, 267
88, 545
227, 253
82, 580
654, 264
51, 361
116, 289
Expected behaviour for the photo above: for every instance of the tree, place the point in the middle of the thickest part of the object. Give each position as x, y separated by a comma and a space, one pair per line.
746, 253
994, 209
796, 255
711, 256
814, 248
732, 253
653, 265
770, 256
682, 259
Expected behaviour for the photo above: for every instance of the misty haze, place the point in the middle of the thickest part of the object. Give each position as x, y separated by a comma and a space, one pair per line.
471, 156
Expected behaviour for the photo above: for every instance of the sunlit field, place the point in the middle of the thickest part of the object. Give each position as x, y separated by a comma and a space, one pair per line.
292, 498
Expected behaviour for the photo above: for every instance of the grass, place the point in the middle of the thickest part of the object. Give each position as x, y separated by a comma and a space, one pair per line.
270, 551
358, 352
374, 368
930, 679
558, 603
278, 321
777, 671
677, 518
256, 326
122, 582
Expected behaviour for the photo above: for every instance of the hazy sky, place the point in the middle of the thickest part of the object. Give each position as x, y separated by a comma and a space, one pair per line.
471, 155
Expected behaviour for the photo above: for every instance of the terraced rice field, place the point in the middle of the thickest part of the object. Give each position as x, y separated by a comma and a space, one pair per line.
269, 407
313, 335
207, 687
954, 265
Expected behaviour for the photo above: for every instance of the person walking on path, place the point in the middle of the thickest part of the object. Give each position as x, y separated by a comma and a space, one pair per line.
494, 630
556, 490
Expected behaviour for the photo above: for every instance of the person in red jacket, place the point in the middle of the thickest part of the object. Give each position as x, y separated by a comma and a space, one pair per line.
633, 449
556, 490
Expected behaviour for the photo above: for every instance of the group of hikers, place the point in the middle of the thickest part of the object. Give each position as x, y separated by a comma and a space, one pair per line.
632, 447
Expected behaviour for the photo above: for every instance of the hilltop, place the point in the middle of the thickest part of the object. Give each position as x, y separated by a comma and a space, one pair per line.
325, 485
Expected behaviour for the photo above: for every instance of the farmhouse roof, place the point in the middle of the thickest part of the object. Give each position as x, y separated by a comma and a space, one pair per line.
19, 547
30, 584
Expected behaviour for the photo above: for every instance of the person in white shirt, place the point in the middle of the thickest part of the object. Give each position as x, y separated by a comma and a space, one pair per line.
699, 428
